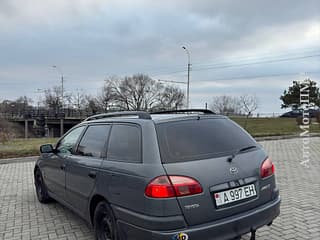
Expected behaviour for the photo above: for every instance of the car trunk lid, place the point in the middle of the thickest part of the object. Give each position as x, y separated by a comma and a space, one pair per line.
207, 150
214, 176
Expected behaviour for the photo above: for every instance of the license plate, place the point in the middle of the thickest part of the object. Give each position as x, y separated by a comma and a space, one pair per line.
234, 195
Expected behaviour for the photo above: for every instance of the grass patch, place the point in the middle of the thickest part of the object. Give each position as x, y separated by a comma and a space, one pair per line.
261, 127
23, 147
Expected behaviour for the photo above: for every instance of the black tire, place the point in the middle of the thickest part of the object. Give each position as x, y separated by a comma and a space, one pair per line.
41, 189
104, 222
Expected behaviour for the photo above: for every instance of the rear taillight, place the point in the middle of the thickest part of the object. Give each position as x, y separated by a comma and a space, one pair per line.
160, 188
172, 186
267, 168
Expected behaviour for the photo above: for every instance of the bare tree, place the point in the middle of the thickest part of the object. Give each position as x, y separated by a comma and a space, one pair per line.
52, 98
108, 94
249, 105
170, 98
78, 100
92, 105
139, 92
226, 105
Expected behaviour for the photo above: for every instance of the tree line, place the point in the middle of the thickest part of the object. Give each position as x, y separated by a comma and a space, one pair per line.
141, 92
137, 92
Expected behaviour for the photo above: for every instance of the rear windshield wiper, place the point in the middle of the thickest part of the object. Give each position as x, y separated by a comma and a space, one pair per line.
240, 151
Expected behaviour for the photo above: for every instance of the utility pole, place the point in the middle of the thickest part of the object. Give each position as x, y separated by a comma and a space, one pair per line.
62, 100
39, 91
189, 68
62, 90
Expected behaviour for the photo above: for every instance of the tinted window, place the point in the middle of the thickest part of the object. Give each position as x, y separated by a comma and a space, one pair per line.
69, 141
125, 144
93, 142
199, 139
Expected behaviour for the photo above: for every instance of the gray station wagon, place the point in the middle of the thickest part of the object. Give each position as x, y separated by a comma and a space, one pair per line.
174, 175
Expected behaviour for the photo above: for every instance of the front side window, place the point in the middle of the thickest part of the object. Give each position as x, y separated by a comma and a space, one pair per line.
69, 141
93, 142
125, 144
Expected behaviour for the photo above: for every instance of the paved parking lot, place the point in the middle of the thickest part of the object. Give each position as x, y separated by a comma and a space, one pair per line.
23, 217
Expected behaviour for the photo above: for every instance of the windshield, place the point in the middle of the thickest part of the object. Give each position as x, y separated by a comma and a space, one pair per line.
190, 140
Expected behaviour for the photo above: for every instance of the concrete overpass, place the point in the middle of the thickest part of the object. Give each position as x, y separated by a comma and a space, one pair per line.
53, 127
45, 126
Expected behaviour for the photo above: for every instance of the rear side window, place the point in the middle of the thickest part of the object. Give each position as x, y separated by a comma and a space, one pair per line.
93, 142
125, 144
200, 139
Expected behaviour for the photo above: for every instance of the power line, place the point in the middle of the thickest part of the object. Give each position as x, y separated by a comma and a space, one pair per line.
247, 77
257, 62
218, 66
258, 76
178, 68
263, 57
170, 81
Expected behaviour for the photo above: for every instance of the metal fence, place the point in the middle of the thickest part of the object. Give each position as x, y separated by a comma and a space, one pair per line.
45, 113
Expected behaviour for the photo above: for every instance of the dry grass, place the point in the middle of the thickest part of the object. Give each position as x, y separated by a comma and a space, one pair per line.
23, 147
260, 127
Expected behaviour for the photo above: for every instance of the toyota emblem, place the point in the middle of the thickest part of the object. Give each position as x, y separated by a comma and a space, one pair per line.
233, 170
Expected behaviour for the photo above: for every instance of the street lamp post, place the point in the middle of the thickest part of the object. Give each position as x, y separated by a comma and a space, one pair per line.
62, 82
189, 66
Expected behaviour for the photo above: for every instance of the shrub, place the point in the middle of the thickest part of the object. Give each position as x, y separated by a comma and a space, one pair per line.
4, 131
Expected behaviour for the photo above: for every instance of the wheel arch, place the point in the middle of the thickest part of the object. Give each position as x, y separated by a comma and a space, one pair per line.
36, 168
95, 200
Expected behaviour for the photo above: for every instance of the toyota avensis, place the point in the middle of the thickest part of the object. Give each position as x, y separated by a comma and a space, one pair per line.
175, 175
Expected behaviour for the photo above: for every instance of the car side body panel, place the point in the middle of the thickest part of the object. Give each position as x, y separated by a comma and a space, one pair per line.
52, 173
123, 184
81, 176
127, 181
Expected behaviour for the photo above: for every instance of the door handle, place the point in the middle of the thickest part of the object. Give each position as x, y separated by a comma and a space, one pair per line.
92, 174
63, 167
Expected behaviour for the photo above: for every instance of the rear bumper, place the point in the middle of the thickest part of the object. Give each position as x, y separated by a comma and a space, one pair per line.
224, 229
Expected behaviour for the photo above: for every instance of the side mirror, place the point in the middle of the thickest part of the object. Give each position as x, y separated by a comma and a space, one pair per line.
46, 148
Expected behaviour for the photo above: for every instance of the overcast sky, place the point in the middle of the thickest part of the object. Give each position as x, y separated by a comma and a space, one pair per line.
237, 47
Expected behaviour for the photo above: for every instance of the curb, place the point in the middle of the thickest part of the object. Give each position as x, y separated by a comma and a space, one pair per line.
18, 160
283, 137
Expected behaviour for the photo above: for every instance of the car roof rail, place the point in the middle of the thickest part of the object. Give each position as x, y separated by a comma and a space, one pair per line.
140, 114
204, 111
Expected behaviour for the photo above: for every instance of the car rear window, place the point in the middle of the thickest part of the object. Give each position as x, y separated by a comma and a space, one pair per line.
189, 140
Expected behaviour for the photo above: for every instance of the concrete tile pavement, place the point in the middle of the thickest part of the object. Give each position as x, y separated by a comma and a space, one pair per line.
23, 217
